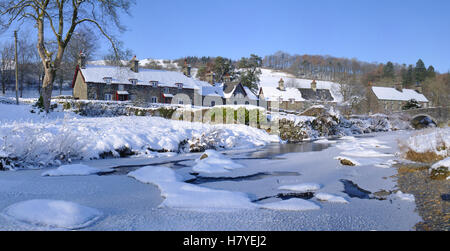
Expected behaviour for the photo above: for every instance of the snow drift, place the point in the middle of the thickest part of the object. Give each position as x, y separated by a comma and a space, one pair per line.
52, 214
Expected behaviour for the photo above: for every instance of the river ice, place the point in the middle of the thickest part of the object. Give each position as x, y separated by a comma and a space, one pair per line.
129, 204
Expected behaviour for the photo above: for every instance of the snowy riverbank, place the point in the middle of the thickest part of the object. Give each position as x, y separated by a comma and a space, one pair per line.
30, 140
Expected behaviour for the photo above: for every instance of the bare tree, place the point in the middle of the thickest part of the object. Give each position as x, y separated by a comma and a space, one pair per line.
25, 57
84, 40
118, 57
6, 65
292, 83
61, 18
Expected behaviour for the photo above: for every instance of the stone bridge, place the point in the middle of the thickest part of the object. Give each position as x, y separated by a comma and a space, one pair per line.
440, 115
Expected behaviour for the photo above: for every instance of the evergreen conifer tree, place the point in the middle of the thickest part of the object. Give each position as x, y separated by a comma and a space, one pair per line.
420, 71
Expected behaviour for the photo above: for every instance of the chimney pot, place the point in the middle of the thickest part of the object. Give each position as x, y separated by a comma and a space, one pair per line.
82, 60
314, 85
134, 64
281, 85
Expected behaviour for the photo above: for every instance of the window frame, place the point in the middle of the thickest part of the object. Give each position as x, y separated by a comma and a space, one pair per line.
108, 80
108, 95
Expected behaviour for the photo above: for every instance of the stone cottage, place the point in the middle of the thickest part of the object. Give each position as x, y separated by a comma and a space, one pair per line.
296, 99
134, 84
227, 93
112, 83
392, 99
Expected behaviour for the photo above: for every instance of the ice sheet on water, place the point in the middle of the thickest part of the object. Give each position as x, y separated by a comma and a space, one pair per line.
302, 188
366, 154
180, 195
330, 198
291, 205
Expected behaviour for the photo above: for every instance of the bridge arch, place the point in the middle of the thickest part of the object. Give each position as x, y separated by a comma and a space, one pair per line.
423, 120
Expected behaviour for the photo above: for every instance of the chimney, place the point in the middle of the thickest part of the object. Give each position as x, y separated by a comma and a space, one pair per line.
82, 60
187, 69
281, 85
227, 78
134, 64
399, 86
314, 85
210, 77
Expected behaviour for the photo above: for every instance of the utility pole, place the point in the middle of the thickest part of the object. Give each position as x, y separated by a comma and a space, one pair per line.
17, 68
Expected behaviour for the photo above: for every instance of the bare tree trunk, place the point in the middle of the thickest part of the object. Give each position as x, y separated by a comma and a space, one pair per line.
61, 80
47, 88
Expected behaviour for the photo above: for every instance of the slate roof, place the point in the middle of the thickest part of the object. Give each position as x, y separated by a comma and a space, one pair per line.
318, 95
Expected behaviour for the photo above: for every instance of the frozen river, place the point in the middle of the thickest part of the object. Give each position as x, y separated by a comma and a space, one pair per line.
368, 190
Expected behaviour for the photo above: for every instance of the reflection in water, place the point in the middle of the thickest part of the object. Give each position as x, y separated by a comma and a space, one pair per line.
354, 191
288, 196
124, 170
258, 176
273, 150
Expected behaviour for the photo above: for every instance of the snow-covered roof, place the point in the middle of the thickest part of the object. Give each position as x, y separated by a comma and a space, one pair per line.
270, 78
122, 93
250, 94
217, 91
274, 94
212, 91
390, 93
122, 75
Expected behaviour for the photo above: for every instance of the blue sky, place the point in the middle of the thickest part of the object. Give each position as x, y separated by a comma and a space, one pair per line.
374, 31
400, 31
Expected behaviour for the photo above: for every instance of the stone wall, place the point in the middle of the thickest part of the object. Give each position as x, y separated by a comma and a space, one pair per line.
139, 93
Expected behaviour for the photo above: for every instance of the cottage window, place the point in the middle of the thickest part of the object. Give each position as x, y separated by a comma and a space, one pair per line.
166, 90
154, 84
133, 81
154, 100
247, 103
179, 85
292, 101
108, 80
180, 102
213, 103
108, 97
121, 88
235, 102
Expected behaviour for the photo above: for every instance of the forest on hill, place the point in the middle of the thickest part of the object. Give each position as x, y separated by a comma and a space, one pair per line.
355, 74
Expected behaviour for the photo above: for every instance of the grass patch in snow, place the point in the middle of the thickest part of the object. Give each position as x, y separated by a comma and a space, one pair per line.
425, 157
427, 146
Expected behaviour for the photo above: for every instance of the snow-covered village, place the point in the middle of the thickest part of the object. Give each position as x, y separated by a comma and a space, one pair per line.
104, 128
